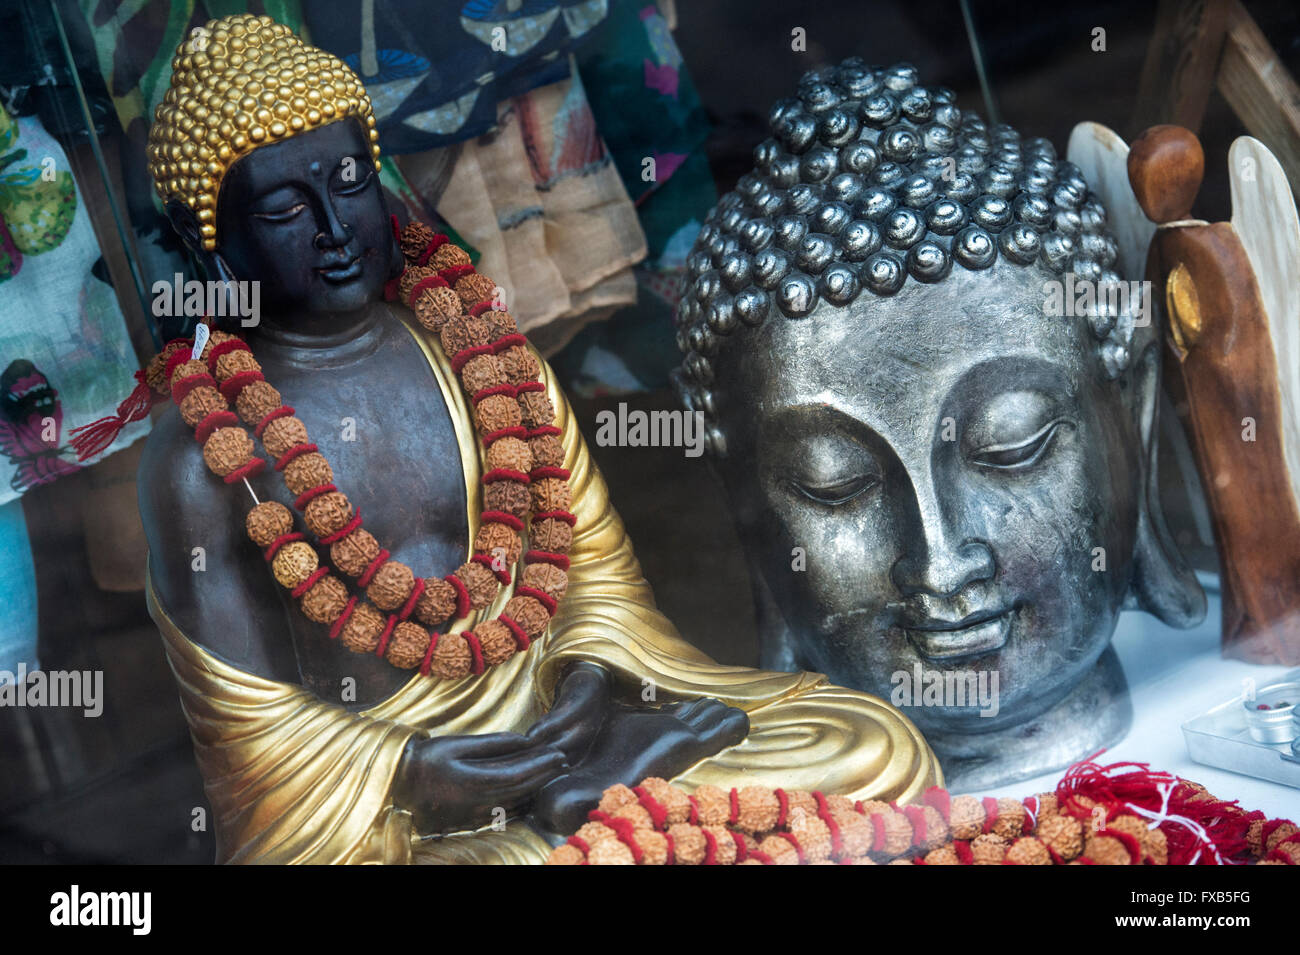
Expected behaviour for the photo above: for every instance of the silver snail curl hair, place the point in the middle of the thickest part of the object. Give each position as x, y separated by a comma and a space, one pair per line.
869, 179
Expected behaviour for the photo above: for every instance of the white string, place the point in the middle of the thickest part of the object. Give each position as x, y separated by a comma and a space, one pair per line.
1033, 815
251, 491
1163, 815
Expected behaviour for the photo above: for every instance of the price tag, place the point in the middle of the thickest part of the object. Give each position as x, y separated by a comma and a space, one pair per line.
200, 339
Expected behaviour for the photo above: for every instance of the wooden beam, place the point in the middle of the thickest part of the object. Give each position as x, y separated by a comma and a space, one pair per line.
1178, 72
1260, 91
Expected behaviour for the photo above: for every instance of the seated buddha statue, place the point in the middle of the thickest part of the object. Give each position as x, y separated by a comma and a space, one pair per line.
405, 621
935, 418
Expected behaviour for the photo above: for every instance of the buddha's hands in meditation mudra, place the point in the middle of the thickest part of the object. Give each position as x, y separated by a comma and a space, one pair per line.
558, 770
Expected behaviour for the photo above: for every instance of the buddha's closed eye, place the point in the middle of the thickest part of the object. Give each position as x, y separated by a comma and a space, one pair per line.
353, 178
838, 491
284, 214
1021, 452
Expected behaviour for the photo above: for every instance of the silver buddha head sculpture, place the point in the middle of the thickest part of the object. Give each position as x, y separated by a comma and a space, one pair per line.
935, 469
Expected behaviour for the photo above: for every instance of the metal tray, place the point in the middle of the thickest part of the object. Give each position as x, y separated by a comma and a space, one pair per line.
1219, 738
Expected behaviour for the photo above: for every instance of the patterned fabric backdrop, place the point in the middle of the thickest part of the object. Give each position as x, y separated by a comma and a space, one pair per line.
64, 350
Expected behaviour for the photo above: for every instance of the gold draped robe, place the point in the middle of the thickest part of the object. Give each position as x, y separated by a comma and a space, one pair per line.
294, 779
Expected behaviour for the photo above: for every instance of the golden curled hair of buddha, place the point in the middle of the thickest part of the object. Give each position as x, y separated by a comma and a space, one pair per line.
238, 83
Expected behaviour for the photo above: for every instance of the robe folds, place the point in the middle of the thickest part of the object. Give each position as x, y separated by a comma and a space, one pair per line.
294, 779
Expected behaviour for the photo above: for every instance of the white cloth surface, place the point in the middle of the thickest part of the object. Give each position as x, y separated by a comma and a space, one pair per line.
1174, 675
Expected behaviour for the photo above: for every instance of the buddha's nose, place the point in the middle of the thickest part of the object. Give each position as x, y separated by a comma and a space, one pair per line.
334, 232
943, 558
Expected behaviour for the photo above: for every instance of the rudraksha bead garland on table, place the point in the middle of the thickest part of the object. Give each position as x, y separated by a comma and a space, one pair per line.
524, 480
1099, 815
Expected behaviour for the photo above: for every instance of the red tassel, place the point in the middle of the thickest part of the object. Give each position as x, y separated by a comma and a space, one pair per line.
1119, 785
90, 439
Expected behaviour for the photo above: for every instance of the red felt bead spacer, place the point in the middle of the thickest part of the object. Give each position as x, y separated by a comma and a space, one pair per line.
537, 474
518, 431
476, 649
521, 637
409, 607
383, 637
281, 412
462, 595
658, 814
783, 804
373, 568
343, 531
824, 811
292, 453
711, 847
392, 289
916, 816
940, 799
396, 227
565, 516
878, 832
309, 495
338, 625
544, 431
431, 281
505, 474
182, 355
454, 273
626, 833
462, 357
428, 654
547, 557
436, 243
508, 390
528, 386
183, 387
251, 469
224, 348
232, 386
990, 813
486, 560
507, 341
694, 819
310, 582
501, 517
545, 599
742, 850
213, 421
279, 542
480, 308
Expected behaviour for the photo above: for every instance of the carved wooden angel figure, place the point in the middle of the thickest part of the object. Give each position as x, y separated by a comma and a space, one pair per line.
1229, 292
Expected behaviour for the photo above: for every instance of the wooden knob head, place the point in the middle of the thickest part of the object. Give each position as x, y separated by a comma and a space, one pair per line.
1165, 168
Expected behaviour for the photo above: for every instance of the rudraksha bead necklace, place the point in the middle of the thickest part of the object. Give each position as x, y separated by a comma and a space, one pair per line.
397, 614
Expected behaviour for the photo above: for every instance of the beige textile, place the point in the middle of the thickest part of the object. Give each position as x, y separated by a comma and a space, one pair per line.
544, 205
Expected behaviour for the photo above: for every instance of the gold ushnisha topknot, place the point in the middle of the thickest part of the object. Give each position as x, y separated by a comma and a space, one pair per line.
238, 83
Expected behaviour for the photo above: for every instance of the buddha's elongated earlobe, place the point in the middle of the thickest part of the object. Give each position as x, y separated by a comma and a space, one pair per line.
1162, 584
216, 265
398, 261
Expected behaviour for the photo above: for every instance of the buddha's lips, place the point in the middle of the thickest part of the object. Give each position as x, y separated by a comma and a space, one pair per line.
978, 634
343, 272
